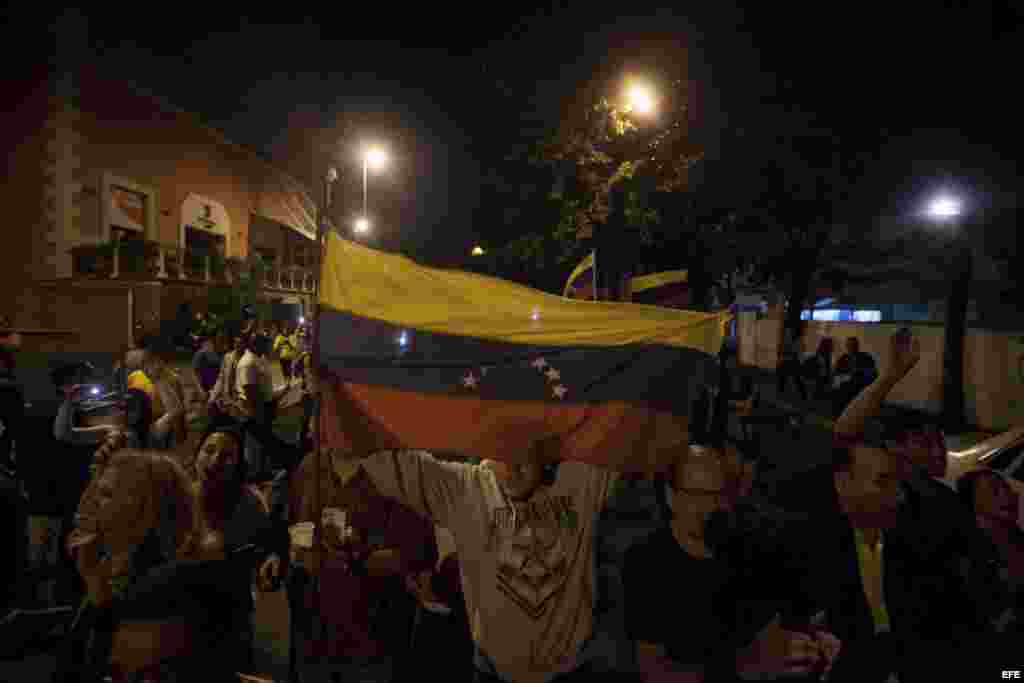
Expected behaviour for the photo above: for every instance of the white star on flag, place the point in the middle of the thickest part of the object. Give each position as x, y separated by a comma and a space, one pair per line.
553, 375
559, 391
540, 363
469, 381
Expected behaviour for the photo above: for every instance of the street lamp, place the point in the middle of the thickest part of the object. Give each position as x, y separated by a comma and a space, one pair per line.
944, 208
947, 210
478, 251
640, 98
362, 225
377, 158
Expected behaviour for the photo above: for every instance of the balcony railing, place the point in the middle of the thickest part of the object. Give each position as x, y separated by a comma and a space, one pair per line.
139, 260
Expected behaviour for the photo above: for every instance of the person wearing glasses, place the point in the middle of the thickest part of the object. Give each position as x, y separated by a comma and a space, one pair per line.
693, 610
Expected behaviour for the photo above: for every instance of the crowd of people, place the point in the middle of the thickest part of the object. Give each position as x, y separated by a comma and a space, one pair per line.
868, 570
840, 380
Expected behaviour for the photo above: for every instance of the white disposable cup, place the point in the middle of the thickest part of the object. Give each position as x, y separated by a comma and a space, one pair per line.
302, 535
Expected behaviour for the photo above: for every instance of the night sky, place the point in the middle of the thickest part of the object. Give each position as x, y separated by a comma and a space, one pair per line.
450, 89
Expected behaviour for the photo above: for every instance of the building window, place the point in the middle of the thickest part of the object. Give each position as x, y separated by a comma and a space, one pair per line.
128, 210
205, 225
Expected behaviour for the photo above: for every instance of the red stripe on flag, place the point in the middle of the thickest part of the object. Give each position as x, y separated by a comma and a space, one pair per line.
620, 435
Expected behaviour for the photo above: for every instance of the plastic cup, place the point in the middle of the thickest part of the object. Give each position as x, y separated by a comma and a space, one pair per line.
302, 535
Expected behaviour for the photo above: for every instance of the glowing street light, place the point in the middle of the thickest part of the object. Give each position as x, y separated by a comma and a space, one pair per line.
362, 225
376, 158
944, 207
478, 251
640, 98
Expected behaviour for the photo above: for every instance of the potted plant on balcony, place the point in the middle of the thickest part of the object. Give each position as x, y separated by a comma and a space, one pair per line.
195, 264
235, 267
218, 266
133, 258
258, 269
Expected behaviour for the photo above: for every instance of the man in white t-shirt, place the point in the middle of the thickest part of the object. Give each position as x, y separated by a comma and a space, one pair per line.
258, 397
525, 538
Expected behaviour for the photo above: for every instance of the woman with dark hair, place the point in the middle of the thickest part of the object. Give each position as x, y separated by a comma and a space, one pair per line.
995, 507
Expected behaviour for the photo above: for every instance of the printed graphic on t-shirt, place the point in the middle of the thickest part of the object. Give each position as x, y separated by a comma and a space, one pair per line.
536, 540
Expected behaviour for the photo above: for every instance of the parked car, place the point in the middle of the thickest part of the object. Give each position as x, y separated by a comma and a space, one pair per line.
1003, 452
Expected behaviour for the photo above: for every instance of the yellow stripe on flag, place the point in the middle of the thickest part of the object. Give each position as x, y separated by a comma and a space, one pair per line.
394, 289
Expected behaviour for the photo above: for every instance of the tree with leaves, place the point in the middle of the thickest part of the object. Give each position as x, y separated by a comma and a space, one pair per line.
602, 151
792, 184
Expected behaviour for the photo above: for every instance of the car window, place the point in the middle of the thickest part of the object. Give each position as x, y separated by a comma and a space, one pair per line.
1003, 460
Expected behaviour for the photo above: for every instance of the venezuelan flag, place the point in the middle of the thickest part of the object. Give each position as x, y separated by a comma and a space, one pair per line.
454, 361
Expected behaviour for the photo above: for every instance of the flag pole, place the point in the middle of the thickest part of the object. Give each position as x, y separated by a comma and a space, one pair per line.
322, 212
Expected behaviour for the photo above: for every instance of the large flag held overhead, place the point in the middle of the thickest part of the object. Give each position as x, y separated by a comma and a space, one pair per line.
453, 361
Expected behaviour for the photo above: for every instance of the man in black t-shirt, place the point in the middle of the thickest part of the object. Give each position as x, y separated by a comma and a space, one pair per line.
692, 610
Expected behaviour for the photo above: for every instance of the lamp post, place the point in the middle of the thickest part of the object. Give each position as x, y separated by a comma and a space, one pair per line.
322, 212
638, 98
946, 211
377, 158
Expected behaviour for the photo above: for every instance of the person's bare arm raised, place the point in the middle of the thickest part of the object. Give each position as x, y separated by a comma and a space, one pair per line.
904, 352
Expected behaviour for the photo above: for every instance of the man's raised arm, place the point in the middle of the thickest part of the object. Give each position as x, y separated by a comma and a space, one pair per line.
426, 485
904, 352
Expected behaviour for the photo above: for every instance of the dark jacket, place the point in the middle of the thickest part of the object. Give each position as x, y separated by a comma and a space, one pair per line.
931, 629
